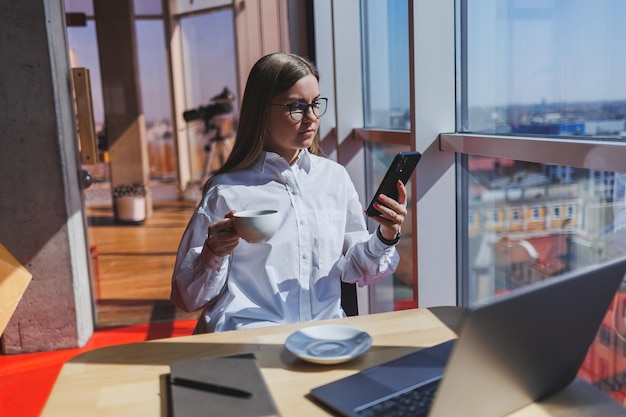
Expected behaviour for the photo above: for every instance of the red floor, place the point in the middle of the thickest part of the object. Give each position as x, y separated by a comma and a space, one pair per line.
26, 380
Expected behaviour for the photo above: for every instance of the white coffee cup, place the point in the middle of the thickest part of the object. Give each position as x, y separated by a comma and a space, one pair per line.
255, 226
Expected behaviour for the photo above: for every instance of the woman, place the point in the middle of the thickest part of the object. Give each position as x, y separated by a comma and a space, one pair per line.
322, 239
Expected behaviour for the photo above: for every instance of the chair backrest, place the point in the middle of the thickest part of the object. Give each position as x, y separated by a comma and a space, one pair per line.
348, 299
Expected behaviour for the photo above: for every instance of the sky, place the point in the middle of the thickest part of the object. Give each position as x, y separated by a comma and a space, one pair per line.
526, 51
519, 52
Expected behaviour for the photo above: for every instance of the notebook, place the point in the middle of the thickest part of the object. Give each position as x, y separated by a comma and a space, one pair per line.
519, 348
229, 386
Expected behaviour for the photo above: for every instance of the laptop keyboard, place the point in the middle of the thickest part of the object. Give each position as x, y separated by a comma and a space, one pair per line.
415, 403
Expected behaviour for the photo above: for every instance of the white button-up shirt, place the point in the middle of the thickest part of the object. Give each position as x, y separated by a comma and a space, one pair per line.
295, 276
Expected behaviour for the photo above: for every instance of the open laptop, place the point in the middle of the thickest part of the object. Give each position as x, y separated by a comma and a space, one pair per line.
519, 348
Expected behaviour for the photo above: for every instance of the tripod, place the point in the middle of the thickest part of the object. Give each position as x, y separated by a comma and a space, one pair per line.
217, 149
215, 120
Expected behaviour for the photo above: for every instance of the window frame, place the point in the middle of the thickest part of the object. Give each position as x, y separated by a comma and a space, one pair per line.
593, 153
432, 103
436, 47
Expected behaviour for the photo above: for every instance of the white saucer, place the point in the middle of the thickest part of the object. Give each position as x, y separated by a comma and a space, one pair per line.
328, 344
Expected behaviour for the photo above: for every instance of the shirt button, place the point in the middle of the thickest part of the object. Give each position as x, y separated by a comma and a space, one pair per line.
302, 222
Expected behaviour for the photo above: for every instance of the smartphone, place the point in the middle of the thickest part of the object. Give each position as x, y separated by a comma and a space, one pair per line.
401, 168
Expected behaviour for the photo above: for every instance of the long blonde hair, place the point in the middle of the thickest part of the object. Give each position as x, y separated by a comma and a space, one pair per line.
270, 76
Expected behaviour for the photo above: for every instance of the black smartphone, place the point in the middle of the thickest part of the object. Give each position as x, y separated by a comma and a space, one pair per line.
401, 168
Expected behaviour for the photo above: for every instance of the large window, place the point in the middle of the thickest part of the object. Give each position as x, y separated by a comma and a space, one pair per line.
155, 95
209, 65
517, 108
386, 104
386, 64
83, 51
528, 222
541, 112
545, 67
398, 294
545, 70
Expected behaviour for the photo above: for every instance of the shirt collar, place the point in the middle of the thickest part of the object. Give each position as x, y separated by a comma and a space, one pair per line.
304, 161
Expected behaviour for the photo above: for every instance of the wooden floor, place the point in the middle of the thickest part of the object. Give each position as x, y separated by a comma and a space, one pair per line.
132, 265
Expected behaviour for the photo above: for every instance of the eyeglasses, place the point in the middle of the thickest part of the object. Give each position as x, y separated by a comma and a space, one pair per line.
298, 109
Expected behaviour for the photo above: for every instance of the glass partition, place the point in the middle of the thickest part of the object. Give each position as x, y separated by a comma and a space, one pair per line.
528, 222
397, 293
195, 6
386, 95
209, 65
79, 6
543, 70
545, 67
83, 51
155, 98
148, 7
386, 64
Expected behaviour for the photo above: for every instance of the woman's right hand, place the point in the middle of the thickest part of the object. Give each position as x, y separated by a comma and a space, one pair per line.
222, 238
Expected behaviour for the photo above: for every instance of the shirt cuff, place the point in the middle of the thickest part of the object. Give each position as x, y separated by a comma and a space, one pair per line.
387, 241
210, 260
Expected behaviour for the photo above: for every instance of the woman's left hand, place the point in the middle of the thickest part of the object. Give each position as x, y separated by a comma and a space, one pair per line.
393, 212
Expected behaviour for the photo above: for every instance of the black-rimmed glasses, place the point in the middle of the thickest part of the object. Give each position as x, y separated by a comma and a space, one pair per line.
298, 109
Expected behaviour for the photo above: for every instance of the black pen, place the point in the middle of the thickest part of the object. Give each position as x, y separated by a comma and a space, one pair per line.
207, 386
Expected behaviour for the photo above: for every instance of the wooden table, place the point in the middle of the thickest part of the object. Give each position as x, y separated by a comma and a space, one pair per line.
128, 380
